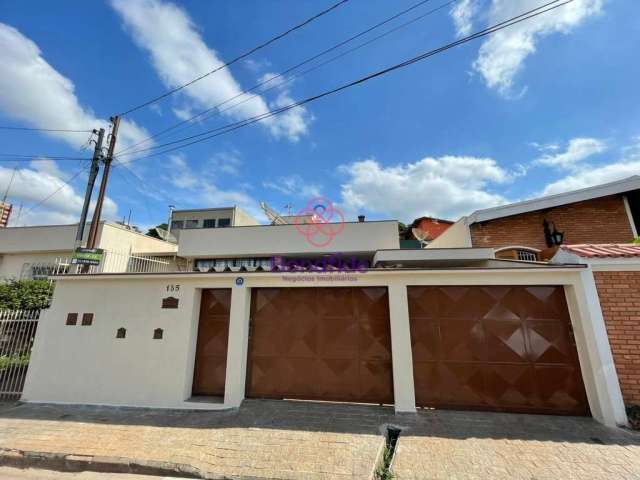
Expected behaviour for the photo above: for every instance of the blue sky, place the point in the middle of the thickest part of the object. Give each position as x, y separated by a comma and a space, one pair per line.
544, 107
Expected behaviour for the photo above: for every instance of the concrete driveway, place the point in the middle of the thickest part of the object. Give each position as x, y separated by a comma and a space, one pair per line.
304, 440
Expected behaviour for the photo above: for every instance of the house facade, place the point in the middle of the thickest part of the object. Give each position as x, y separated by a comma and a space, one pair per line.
277, 311
209, 218
606, 213
39, 251
616, 269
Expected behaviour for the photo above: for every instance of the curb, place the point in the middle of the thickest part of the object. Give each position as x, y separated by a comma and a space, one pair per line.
78, 463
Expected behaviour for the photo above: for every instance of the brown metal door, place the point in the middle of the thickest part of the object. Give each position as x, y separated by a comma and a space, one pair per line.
502, 348
211, 348
320, 344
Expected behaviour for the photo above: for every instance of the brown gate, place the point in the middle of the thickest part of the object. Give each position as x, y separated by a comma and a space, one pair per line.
211, 348
502, 348
320, 344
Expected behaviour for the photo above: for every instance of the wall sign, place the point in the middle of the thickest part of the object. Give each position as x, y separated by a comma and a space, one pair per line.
239, 281
170, 302
87, 256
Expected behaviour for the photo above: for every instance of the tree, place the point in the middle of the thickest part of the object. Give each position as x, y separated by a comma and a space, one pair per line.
25, 294
152, 231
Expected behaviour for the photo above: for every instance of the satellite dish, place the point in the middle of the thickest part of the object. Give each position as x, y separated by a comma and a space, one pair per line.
165, 235
421, 236
272, 215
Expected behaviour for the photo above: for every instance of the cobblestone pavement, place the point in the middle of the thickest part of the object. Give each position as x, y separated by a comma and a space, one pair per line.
479, 445
302, 440
263, 439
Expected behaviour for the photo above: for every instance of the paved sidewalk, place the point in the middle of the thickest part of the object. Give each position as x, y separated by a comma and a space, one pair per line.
302, 440
264, 439
7, 473
477, 445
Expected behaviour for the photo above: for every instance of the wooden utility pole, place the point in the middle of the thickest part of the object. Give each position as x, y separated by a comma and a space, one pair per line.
93, 231
93, 173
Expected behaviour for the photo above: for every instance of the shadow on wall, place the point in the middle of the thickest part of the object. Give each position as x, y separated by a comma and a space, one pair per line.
339, 418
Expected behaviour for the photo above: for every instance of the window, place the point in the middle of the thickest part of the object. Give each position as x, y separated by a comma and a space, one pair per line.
209, 223
224, 222
121, 332
157, 334
72, 318
177, 225
191, 224
87, 319
523, 254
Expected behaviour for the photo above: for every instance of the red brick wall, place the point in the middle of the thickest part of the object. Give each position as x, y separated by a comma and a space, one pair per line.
619, 294
602, 220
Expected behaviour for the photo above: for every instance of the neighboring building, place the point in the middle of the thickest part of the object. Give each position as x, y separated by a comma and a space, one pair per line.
432, 228
5, 213
616, 269
38, 251
607, 213
209, 218
350, 317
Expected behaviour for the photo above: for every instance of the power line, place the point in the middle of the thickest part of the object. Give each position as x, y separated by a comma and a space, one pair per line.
26, 129
236, 59
294, 67
13, 157
248, 121
64, 184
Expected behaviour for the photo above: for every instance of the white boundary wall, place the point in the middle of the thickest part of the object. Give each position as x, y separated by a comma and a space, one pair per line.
88, 365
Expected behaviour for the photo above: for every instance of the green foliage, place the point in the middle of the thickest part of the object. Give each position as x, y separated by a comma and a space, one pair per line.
7, 362
633, 413
382, 471
636, 241
25, 294
152, 231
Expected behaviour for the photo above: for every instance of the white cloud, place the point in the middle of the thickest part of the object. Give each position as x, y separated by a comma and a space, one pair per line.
226, 162
589, 175
202, 188
578, 150
293, 185
179, 54
32, 185
446, 187
594, 176
181, 175
34, 92
462, 14
502, 55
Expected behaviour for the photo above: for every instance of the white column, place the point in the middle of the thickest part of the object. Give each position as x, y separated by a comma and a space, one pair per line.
403, 388
594, 351
237, 346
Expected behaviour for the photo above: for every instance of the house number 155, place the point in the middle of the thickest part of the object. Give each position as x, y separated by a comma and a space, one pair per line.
173, 288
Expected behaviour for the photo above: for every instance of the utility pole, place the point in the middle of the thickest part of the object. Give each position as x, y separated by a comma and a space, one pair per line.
93, 231
93, 173
171, 208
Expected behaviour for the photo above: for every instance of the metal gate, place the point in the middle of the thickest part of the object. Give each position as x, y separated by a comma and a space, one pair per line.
17, 332
502, 348
320, 344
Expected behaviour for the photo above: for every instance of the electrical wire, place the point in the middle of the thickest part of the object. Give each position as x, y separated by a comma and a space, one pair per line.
13, 157
290, 69
248, 121
26, 129
236, 59
64, 184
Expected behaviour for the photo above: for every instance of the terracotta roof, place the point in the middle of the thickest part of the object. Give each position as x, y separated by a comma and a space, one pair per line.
604, 250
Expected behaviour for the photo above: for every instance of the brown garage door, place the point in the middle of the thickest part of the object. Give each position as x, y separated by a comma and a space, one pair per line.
211, 348
500, 348
320, 344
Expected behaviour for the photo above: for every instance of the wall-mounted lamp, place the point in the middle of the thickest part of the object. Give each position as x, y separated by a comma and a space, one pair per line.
554, 238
